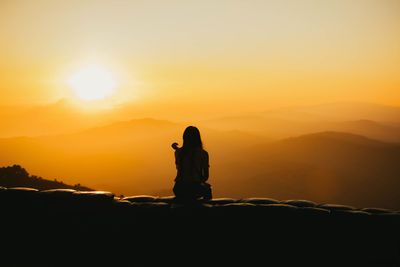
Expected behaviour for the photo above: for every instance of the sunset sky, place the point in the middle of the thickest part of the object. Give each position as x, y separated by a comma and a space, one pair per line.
244, 55
96, 91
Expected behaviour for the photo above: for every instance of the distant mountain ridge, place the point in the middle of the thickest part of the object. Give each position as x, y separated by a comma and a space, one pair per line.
282, 127
323, 167
135, 157
134, 123
341, 111
350, 138
65, 117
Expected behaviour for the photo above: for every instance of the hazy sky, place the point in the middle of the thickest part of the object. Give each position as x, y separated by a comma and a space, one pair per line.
219, 53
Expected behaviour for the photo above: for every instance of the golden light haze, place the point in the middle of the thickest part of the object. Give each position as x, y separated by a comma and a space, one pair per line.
266, 82
246, 54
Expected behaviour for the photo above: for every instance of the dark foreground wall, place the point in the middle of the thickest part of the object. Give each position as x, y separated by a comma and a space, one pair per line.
75, 228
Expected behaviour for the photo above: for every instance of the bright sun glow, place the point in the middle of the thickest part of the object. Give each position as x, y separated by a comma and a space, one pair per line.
92, 83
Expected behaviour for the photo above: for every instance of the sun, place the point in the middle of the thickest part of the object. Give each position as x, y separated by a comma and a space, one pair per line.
92, 83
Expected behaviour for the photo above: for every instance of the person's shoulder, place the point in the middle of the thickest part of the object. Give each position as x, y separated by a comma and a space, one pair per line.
204, 152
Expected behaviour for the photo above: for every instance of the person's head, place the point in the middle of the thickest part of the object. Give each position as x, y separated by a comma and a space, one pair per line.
191, 138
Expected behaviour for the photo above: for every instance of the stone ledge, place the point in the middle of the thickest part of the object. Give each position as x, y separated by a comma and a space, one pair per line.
33, 198
219, 232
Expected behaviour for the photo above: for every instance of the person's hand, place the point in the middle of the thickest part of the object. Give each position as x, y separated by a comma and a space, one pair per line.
174, 146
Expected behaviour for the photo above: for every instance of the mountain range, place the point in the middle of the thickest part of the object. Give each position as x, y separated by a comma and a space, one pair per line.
372, 120
135, 157
324, 167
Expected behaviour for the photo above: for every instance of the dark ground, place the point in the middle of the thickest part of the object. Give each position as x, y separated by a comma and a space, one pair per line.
53, 228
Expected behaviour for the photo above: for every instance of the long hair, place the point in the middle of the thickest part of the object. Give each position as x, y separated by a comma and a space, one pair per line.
191, 142
192, 139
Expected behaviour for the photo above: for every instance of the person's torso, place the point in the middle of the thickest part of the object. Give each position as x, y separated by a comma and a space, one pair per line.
190, 164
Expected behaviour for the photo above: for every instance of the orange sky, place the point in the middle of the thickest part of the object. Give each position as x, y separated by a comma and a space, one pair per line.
234, 68
237, 55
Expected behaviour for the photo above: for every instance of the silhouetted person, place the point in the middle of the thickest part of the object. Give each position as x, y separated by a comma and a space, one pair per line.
192, 166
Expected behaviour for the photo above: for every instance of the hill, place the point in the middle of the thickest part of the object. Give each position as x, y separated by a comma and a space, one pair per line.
65, 117
323, 167
339, 111
126, 157
16, 176
134, 157
278, 126
389, 132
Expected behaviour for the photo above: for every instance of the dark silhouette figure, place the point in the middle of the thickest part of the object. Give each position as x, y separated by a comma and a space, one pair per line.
192, 164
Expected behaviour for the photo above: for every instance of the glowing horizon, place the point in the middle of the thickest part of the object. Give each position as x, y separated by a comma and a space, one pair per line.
222, 54
77, 78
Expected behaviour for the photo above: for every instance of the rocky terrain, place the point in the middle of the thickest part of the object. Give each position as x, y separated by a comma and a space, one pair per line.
76, 227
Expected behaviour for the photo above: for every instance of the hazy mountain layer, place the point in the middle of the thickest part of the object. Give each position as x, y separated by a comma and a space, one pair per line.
135, 157
324, 167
